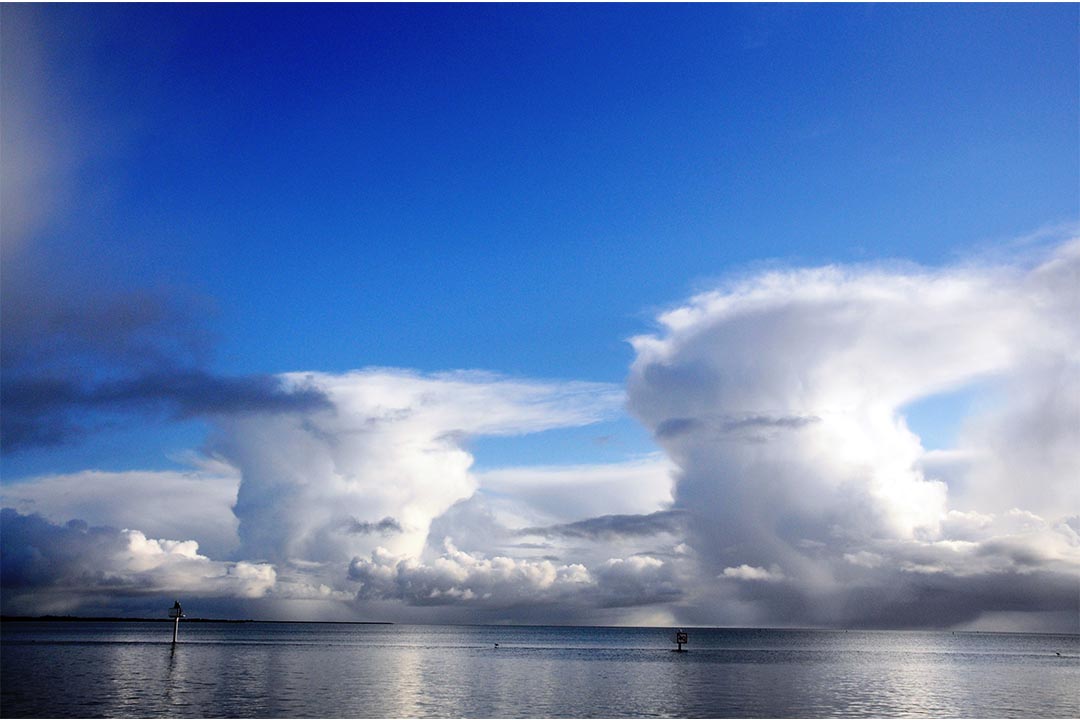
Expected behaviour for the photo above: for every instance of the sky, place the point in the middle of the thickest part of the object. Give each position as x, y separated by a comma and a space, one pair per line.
727, 315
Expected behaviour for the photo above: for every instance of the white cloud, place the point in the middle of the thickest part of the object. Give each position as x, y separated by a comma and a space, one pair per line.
196, 504
791, 490
864, 558
779, 399
577, 514
638, 580
173, 565
559, 494
390, 449
1021, 450
749, 572
460, 578
313, 488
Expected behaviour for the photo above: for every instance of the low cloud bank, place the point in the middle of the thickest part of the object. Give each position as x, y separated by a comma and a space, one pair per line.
461, 578
194, 504
50, 568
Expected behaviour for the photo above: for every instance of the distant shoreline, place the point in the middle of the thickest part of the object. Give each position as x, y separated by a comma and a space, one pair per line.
74, 618
693, 628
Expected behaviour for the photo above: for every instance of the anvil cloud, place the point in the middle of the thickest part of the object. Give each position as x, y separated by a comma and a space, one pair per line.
781, 399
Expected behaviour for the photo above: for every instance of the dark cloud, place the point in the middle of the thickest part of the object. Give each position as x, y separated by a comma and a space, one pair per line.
942, 600
534, 546
386, 526
675, 426
52, 410
78, 338
188, 392
19, 430
638, 580
36, 553
50, 568
72, 351
70, 324
607, 527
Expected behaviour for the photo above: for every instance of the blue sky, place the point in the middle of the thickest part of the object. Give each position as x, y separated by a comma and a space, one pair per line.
519, 189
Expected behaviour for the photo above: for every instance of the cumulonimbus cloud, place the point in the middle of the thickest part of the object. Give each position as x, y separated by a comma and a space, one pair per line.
309, 490
800, 494
392, 445
780, 398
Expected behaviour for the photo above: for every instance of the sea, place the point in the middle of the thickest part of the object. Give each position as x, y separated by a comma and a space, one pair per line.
315, 670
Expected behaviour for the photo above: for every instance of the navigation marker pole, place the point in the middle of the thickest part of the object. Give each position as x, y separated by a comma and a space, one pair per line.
176, 612
681, 638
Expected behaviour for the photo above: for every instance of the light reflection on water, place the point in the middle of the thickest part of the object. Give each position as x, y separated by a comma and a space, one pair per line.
312, 670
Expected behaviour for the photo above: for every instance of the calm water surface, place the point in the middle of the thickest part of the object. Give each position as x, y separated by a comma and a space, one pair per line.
88, 669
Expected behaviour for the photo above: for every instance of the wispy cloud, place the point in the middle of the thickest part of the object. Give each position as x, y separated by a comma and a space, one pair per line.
386, 526
607, 527
747, 426
76, 348
47, 410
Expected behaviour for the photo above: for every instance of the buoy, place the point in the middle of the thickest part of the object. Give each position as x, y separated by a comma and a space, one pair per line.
176, 612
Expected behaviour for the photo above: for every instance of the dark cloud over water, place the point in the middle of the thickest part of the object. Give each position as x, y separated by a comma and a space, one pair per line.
614, 526
70, 357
